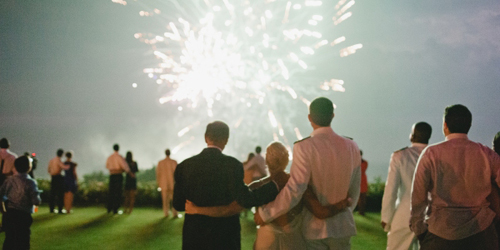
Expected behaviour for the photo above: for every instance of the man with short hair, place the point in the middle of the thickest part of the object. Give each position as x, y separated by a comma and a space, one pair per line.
7, 159
165, 179
330, 165
257, 165
213, 179
397, 194
57, 182
496, 143
458, 175
116, 165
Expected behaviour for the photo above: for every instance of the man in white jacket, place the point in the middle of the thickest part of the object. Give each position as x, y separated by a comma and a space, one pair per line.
330, 165
396, 202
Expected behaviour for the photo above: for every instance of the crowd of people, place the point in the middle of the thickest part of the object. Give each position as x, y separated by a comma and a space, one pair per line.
439, 196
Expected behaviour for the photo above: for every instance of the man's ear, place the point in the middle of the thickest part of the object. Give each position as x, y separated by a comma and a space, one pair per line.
446, 130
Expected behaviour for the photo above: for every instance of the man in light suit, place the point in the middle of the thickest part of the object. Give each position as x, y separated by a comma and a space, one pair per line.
396, 201
213, 179
330, 165
165, 179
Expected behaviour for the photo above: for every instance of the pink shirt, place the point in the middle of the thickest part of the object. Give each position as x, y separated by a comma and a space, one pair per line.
458, 174
9, 158
55, 166
116, 164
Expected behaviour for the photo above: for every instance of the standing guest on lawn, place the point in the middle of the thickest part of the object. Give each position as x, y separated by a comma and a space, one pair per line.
458, 174
22, 195
496, 143
257, 165
165, 180
214, 179
57, 182
70, 182
397, 194
34, 163
494, 197
248, 173
364, 186
116, 166
130, 183
330, 165
7, 159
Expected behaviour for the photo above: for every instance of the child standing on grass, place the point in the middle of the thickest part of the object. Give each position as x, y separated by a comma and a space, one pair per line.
21, 193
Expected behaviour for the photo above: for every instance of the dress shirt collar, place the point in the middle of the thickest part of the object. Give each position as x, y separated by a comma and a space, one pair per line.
322, 130
456, 136
22, 174
213, 146
418, 144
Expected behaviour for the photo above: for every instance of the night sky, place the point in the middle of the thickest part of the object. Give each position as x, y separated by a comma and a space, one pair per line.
67, 68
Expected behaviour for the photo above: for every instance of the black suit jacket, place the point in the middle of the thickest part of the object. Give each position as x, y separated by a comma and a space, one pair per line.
214, 179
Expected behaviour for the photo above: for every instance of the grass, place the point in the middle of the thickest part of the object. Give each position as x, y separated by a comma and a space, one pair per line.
146, 228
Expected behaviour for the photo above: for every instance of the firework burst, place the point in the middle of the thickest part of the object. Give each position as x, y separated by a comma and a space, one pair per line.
241, 58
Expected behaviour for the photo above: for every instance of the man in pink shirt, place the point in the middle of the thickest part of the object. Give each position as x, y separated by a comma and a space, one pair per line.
116, 165
7, 159
458, 175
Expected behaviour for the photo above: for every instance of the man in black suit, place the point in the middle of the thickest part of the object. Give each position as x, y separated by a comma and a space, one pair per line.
213, 179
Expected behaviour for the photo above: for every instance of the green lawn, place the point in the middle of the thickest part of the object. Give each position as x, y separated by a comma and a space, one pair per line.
145, 228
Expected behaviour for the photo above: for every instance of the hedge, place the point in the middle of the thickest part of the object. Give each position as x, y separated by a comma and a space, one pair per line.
93, 190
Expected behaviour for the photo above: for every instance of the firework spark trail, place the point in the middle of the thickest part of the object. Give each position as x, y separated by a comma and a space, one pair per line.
242, 54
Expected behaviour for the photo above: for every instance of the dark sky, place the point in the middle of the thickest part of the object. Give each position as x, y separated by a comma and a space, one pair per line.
66, 69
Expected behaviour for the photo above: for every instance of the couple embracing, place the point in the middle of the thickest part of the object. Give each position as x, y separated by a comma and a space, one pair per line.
324, 179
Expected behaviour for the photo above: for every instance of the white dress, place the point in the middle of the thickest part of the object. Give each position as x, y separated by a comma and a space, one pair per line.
277, 235
289, 237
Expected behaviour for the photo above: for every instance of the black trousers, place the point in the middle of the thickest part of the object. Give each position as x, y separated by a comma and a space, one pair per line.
208, 233
484, 240
115, 192
56, 193
17, 225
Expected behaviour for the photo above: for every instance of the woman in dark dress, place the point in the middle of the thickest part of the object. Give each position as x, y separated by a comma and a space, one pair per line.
130, 184
70, 182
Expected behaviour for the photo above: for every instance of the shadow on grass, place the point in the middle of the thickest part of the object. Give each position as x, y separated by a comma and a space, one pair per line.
166, 231
154, 230
95, 222
45, 217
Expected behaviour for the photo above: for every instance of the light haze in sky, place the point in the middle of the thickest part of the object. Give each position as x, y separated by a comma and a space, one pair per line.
67, 68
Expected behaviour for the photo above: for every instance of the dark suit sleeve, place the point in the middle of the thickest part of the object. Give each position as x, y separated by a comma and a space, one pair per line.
179, 199
254, 198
